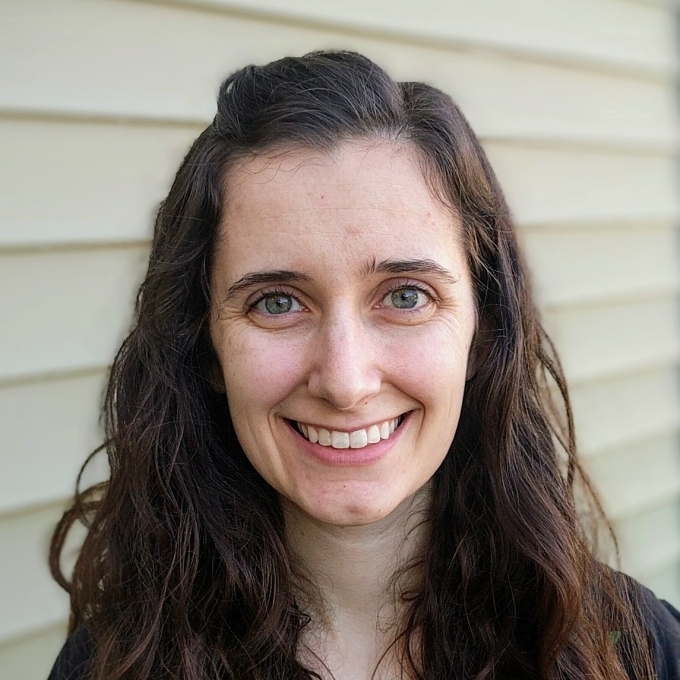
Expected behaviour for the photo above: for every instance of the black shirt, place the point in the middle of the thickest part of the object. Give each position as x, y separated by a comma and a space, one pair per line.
663, 622
661, 618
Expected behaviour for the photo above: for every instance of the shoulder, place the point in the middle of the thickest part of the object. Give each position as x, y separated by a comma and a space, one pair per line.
662, 620
74, 659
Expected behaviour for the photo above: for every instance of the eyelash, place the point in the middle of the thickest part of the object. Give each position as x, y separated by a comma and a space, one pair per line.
263, 295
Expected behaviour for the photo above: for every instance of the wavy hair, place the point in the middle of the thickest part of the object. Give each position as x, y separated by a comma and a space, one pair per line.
184, 572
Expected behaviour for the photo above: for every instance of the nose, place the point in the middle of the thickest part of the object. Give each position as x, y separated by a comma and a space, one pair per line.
345, 371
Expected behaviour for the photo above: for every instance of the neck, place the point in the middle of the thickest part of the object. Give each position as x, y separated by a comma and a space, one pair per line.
352, 579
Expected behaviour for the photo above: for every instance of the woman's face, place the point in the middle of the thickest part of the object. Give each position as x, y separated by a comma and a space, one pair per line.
343, 316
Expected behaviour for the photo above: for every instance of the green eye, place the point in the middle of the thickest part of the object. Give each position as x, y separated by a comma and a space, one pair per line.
405, 298
277, 303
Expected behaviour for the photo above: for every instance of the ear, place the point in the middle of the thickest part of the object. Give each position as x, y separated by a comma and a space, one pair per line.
209, 363
481, 344
217, 383
213, 374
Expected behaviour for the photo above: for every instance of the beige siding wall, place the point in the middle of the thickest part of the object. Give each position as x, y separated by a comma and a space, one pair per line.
574, 101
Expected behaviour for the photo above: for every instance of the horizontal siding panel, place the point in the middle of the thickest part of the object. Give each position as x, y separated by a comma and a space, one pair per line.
577, 265
42, 462
635, 477
48, 429
611, 412
665, 583
102, 183
607, 31
31, 658
510, 98
32, 601
66, 310
166, 63
80, 302
658, 3
84, 183
650, 541
545, 185
598, 341
30, 598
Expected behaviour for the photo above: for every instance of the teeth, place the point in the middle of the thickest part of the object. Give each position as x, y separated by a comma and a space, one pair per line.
339, 440
358, 439
346, 440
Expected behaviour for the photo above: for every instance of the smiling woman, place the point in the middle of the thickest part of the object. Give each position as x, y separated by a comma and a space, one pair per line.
370, 342
333, 447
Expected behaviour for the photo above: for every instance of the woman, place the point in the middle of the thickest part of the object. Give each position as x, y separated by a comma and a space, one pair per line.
332, 444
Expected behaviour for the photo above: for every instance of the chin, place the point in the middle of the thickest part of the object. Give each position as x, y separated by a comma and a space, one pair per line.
353, 513
355, 518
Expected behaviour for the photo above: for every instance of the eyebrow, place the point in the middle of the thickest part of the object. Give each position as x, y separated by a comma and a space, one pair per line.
410, 267
264, 278
385, 267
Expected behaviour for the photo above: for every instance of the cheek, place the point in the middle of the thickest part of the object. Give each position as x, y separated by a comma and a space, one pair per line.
430, 366
260, 369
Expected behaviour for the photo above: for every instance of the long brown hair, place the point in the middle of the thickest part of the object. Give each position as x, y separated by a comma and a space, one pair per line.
184, 572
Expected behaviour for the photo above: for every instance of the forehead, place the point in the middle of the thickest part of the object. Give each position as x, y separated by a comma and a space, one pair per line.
362, 201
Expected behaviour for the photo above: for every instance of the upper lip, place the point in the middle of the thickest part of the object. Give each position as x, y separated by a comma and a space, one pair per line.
349, 428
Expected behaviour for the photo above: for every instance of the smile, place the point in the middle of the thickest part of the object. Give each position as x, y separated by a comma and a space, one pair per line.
357, 439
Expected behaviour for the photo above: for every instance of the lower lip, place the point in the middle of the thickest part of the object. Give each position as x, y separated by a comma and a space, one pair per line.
367, 455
